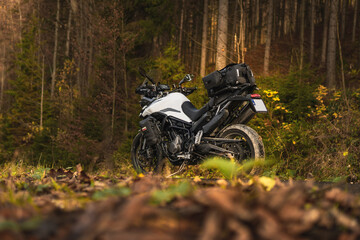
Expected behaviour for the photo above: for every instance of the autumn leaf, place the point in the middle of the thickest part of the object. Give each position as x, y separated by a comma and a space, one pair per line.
197, 179
266, 182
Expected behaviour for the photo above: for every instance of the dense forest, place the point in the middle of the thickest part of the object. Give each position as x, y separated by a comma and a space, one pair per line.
69, 69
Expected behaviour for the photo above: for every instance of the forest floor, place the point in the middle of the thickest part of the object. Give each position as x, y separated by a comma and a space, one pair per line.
61, 204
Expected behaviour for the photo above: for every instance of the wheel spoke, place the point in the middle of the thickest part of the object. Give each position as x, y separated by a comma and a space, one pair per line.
242, 149
144, 160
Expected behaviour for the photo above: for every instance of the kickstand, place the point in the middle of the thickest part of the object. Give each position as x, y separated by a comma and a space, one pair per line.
182, 166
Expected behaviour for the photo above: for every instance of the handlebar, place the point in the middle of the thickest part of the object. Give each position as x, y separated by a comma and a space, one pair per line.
188, 91
155, 90
147, 90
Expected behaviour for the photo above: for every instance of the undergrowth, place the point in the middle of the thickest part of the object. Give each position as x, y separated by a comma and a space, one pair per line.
311, 131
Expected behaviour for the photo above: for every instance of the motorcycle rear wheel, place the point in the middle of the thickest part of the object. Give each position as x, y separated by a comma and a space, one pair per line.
143, 157
251, 147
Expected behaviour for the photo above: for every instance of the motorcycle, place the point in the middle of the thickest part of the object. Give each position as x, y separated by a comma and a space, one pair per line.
173, 128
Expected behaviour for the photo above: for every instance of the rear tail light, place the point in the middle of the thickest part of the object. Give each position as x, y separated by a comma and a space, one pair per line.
255, 95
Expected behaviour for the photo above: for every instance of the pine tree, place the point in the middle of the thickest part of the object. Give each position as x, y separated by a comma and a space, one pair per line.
26, 89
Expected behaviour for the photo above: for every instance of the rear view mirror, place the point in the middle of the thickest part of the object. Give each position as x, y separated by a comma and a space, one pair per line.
143, 73
187, 78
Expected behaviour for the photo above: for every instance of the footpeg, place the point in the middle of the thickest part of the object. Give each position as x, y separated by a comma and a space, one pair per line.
198, 137
184, 156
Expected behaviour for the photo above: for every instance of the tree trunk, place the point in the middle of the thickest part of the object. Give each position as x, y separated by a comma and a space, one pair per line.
55, 49
181, 27
195, 53
86, 27
204, 40
242, 32
355, 20
126, 96
234, 43
282, 29
91, 44
268, 37
80, 45
331, 53
67, 50
274, 19
342, 68
39, 33
253, 22
42, 93
222, 34
294, 14
210, 52
262, 24
3, 79
359, 50
312, 31
114, 89
343, 18
280, 18
257, 23
302, 27
125, 82
286, 18
325, 32
20, 22
13, 35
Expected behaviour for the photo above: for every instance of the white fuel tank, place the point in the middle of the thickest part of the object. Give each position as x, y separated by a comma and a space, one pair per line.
170, 106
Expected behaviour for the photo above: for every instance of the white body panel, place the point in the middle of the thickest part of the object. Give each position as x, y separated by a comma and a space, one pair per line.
170, 106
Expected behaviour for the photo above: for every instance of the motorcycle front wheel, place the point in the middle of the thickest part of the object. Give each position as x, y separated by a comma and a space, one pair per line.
251, 145
143, 157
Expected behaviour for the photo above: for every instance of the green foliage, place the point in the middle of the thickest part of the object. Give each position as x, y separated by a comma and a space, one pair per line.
295, 91
122, 157
20, 127
39, 173
23, 119
111, 192
159, 17
172, 69
27, 225
200, 97
309, 129
168, 194
229, 169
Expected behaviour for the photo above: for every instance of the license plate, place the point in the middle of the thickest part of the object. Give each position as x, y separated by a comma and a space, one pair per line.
259, 105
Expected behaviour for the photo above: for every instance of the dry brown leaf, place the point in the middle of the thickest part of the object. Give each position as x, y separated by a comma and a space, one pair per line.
345, 220
242, 231
217, 197
339, 196
269, 227
211, 227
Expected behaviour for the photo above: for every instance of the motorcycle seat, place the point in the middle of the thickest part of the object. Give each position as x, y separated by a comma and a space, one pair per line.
192, 112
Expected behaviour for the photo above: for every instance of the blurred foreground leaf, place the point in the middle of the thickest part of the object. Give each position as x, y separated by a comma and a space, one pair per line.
228, 169
110, 192
163, 196
267, 182
27, 225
